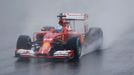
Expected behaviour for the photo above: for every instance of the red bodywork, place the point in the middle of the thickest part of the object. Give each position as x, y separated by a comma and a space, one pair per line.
50, 36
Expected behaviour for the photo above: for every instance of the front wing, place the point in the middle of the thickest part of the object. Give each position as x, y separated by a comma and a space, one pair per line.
34, 54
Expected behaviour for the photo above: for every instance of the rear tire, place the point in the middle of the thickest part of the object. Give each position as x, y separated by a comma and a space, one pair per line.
74, 44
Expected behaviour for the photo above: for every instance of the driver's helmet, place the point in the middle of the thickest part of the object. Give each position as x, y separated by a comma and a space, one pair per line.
58, 28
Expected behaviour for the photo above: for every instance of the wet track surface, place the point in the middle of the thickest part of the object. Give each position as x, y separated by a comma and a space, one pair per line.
115, 17
117, 60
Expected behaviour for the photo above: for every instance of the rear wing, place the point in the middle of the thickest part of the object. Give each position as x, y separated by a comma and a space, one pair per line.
73, 16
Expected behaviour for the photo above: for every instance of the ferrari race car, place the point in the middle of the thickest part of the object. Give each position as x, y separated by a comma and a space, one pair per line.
63, 42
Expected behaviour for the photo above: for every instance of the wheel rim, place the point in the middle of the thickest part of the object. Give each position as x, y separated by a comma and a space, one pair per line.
78, 47
79, 51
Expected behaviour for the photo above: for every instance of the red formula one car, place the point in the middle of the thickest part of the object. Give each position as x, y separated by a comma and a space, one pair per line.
62, 42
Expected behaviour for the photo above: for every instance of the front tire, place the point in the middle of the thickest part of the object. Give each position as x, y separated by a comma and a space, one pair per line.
75, 45
23, 42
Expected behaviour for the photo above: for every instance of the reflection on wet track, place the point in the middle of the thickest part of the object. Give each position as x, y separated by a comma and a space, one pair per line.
117, 60
59, 67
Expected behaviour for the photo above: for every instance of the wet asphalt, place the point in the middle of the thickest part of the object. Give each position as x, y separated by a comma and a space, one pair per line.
115, 60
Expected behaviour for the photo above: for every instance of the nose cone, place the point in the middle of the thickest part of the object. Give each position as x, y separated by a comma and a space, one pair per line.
45, 48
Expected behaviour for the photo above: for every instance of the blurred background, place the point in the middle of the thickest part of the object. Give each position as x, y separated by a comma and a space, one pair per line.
115, 17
